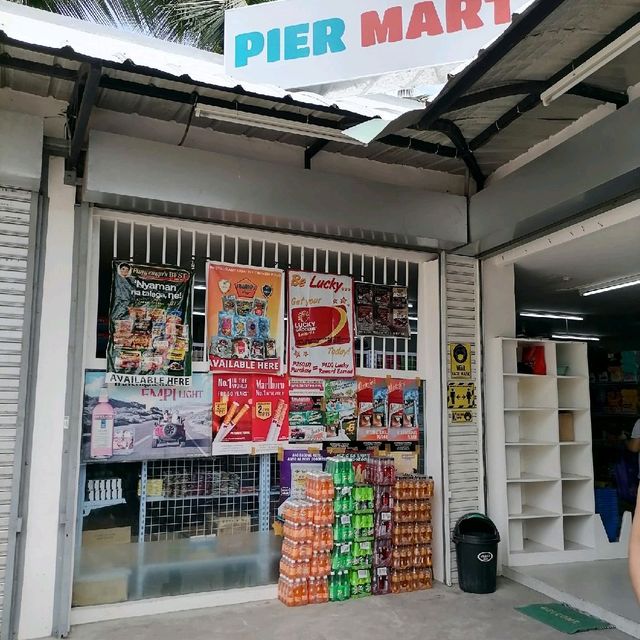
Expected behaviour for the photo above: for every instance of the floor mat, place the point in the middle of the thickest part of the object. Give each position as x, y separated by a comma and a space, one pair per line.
564, 618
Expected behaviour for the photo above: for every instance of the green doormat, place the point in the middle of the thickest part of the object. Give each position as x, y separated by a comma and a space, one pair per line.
564, 618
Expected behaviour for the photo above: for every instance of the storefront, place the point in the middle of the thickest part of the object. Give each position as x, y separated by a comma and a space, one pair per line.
155, 516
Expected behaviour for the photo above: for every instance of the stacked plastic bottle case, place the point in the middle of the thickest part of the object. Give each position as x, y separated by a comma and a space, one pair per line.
308, 540
381, 473
411, 554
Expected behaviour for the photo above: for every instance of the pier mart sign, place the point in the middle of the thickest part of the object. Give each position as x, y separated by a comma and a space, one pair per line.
298, 43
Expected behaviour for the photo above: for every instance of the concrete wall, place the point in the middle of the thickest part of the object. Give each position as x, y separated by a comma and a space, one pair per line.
45, 464
21, 138
143, 175
593, 167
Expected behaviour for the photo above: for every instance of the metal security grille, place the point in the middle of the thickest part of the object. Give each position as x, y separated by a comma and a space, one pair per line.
186, 244
15, 221
187, 498
463, 442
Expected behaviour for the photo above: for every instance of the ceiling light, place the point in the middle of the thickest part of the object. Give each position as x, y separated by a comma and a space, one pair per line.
565, 336
550, 316
273, 123
611, 285
590, 66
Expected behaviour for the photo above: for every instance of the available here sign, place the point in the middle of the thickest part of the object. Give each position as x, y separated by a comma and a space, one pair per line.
299, 43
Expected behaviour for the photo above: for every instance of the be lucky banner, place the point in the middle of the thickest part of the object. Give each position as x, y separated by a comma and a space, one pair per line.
149, 325
320, 325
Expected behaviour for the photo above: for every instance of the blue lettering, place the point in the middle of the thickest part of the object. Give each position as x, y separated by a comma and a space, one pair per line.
327, 36
248, 45
295, 41
273, 45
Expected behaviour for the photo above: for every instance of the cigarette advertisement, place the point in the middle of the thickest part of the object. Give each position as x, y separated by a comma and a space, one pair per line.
245, 319
129, 424
403, 410
250, 413
149, 325
321, 329
372, 396
340, 410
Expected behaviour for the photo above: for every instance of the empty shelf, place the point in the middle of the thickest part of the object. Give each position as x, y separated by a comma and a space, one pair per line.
573, 511
575, 443
532, 477
530, 409
529, 513
530, 546
573, 476
530, 443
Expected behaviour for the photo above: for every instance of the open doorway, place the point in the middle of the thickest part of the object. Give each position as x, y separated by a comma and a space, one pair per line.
587, 290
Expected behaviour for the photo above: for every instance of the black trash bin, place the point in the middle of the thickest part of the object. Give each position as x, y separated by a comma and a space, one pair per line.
476, 539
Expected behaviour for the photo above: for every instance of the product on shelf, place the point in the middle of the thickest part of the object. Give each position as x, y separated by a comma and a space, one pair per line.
298, 532
360, 580
339, 586
293, 592
322, 538
382, 552
297, 550
363, 499
318, 589
343, 528
363, 526
341, 557
320, 564
381, 471
362, 553
343, 502
341, 469
381, 584
322, 512
383, 499
319, 486
294, 568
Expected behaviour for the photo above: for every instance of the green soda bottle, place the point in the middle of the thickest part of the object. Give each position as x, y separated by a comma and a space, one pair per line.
333, 586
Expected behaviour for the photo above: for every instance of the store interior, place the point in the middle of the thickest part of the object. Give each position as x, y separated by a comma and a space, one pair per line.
583, 289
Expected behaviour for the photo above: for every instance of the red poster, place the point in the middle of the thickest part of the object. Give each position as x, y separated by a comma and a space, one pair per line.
250, 413
372, 409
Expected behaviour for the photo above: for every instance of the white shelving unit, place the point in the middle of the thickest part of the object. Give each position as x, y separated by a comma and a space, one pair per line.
541, 492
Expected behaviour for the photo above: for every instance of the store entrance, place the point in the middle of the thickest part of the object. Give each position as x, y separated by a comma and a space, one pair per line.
587, 290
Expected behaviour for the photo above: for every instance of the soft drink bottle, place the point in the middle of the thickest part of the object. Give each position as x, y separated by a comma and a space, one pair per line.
333, 586
323, 590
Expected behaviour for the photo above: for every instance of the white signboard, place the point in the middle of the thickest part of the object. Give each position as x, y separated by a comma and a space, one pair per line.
321, 325
299, 43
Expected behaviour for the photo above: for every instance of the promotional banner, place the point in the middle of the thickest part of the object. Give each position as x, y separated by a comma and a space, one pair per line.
381, 310
372, 409
245, 318
129, 424
149, 325
321, 328
306, 410
295, 464
403, 410
250, 413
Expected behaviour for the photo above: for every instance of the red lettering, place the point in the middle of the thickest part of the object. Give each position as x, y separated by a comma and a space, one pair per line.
424, 19
467, 11
501, 11
376, 31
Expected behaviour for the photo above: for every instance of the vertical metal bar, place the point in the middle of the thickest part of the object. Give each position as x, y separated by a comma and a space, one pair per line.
131, 228
223, 240
264, 244
208, 256
148, 242
179, 253
265, 491
326, 261
406, 342
289, 256
250, 259
235, 256
142, 514
115, 238
164, 245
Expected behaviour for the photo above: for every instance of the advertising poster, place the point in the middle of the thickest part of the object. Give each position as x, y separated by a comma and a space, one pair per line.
403, 410
306, 410
294, 465
129, 424
460, 360
372, 395
250, 413
321, 327
245, 318
340, 410
149, 325
381, 310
